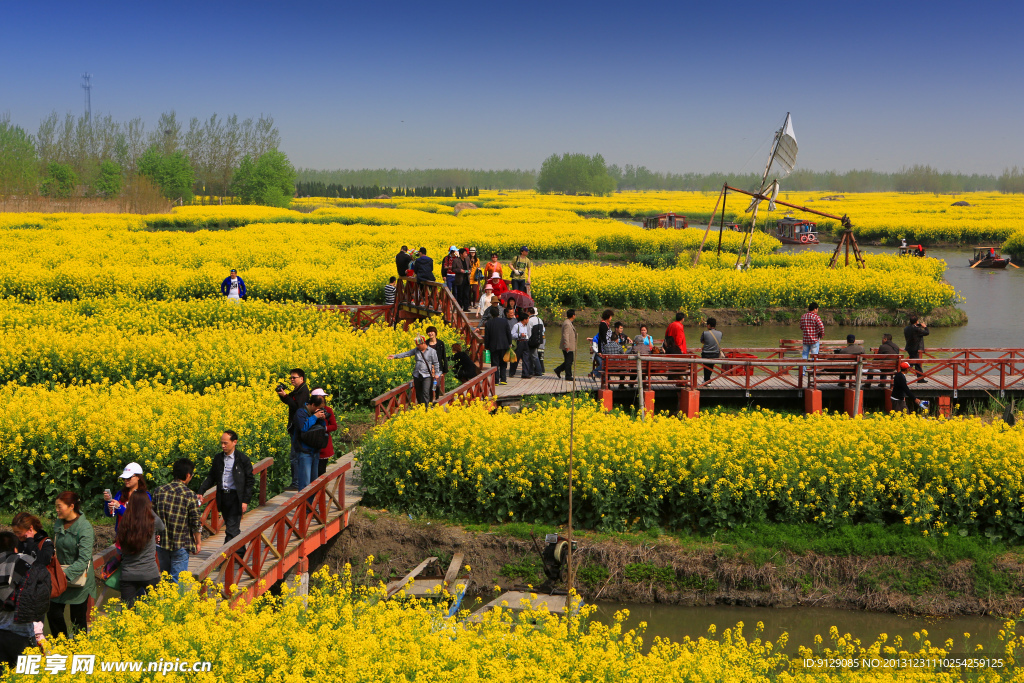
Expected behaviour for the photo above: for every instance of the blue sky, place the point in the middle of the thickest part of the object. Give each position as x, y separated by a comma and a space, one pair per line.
675, 86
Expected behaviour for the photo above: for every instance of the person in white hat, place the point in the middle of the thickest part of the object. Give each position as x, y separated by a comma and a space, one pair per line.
499, 285
327, 452
485, 299
114, 506
476, 275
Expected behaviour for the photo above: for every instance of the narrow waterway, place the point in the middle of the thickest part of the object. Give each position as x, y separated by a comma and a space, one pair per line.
802, 624
991, 298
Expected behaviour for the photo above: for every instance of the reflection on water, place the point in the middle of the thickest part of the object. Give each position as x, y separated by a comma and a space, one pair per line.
802, 624
991, 301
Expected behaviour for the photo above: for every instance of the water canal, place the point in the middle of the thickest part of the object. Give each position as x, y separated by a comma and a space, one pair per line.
802, 624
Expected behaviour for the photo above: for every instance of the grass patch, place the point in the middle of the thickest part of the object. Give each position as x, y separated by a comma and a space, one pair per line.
592, 575
526, 569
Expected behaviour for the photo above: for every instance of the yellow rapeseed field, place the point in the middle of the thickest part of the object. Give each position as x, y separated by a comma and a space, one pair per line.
344, 254
346, 632
716, 471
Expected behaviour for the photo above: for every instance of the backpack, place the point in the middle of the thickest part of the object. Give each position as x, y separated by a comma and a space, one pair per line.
536, 336
13, 570
315, 437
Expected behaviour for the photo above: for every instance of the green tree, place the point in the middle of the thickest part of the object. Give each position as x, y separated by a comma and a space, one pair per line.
59, 182
269, 180
575, 174
108, 184
19, 166
171, 172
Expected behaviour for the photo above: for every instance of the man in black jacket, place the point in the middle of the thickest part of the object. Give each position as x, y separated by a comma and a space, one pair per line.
22, 626
231, 473
498, 340
295, 399
900, 391
402, 261
889, 348
915, 333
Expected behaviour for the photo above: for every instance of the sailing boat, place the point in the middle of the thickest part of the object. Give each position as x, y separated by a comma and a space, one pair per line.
781, 157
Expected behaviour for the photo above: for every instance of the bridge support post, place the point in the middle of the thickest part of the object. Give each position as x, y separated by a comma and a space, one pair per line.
945, 407
302, 569
812, 401
689, 402
849, 398
887, 401
649, 402
606, 399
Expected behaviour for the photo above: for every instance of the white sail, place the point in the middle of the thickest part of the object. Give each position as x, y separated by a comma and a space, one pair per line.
785, 153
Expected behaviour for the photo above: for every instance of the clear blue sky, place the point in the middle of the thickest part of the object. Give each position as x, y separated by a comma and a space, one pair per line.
676, 86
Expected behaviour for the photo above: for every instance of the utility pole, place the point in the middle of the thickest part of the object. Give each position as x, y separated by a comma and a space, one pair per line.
87, 87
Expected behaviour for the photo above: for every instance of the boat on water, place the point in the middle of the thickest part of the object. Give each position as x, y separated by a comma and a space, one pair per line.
987, 257
911, 250
790, 230
666, 220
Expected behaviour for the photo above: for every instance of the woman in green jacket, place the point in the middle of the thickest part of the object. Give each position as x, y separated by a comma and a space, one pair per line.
74, 539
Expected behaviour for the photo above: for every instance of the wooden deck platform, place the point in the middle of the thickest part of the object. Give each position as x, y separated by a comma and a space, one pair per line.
544, 384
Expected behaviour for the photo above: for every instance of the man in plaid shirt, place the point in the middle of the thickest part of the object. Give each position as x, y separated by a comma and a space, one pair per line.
178, 507
813, 330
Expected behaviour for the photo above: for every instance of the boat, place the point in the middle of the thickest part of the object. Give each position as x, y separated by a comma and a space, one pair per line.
911, 250
987, 257
790, 230
666, 220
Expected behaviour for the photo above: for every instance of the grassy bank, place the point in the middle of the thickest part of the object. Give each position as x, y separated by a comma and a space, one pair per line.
870, 567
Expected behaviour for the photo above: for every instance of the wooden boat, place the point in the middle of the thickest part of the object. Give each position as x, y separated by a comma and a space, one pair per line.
987, 257
427, 582
792, 230
911, 250
666, 220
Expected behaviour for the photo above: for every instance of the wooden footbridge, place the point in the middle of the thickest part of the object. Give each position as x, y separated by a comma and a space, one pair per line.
276, 536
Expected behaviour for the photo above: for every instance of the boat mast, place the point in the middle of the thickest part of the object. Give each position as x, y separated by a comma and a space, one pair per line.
764, 179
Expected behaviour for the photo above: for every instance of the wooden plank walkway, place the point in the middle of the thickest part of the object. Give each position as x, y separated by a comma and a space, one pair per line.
544, 384
208, 559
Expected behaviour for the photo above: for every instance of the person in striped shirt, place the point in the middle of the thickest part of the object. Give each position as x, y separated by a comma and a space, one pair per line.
389, 291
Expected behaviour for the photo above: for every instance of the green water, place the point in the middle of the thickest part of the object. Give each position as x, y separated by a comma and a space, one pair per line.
803, 623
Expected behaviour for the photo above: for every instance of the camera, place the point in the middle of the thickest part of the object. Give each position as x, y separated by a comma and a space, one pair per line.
281, 387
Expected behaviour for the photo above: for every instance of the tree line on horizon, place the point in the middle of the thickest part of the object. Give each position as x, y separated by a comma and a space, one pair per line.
631, 178
98, 156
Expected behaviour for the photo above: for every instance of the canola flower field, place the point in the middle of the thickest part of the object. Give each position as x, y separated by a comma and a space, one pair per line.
720, 470
199, 345
344, 254
349, 632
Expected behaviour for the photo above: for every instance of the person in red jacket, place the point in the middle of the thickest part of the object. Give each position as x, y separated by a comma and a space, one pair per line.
327, 452
675, 335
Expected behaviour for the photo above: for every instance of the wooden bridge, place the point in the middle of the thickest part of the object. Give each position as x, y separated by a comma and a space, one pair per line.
947, 374
276, 536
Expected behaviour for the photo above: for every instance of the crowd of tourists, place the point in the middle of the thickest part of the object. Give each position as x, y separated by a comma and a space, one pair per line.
46, 574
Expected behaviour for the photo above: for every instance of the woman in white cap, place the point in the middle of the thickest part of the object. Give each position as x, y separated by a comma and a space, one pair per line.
115, 506
499, 285
327, 452
485, 300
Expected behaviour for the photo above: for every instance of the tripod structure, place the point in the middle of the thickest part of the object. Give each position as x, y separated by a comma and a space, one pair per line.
849, 241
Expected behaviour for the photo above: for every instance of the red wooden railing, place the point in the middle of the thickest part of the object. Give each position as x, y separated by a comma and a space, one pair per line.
307, 521
415, 299
210, 517
954, 370
403, 396
480, 387
362, 317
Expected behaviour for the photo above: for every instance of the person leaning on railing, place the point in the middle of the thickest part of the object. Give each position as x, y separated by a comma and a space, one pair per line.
426, 369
